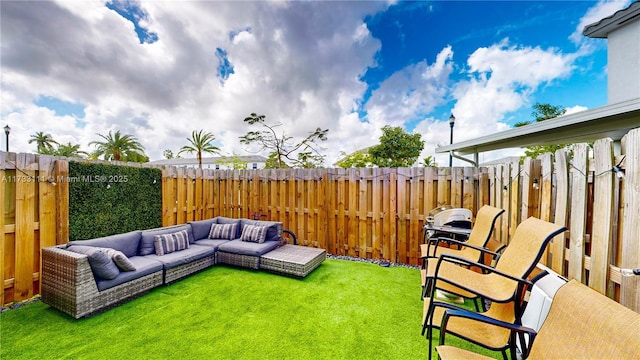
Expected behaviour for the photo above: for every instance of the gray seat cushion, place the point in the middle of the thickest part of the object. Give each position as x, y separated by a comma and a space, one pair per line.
201, 228
177, 258
144, 266
215, 243
127, 243
248, 248
146, 237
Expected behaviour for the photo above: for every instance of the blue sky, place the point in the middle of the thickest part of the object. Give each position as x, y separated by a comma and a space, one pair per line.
158, 70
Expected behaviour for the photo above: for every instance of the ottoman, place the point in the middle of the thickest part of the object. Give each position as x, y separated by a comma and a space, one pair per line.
293, 260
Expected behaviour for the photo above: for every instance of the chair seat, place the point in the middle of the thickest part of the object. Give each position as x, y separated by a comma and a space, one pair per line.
479, 332
429, 271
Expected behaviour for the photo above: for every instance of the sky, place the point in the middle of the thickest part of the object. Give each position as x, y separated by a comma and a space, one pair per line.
158, 70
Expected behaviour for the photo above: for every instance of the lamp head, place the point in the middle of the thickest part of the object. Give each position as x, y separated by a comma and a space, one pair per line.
452, 120
7, 129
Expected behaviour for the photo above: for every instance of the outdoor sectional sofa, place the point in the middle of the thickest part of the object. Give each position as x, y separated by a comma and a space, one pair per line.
88, 276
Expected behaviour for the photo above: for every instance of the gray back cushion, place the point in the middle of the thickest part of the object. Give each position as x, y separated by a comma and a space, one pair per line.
101, 264
127, 243
146, 241
201, 228
274, 232
226, 220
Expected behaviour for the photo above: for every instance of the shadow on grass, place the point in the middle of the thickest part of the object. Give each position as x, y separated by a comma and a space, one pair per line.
342, 310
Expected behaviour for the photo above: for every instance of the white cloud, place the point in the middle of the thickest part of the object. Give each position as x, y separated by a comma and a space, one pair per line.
414, 90
298, 63
501, 80
599, 11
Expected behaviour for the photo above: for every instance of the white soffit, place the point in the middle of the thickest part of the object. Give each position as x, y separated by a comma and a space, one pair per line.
612, 121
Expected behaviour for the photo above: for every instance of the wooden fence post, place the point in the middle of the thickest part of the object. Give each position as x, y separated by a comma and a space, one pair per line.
24, 235
562, 207
630, 286
601, 233
578, 224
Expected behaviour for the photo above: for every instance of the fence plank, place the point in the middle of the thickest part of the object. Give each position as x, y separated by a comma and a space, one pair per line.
546, 189
562, 206
61, 171
24, 235
323, 208
527, 183
342, 223
545, 199
414, 211
393, 214
46, 205
601, 233
386, 216
630, 287
469, 192
402, 179
444, 187
353, 201
364, 179
512, 200
456, 187
578, 212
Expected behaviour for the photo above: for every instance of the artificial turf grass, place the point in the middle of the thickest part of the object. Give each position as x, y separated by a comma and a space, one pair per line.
342, 310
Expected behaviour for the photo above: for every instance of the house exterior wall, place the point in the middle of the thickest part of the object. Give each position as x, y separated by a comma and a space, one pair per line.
624, 63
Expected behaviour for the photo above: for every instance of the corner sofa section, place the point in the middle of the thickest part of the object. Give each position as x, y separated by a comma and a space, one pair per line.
70, 284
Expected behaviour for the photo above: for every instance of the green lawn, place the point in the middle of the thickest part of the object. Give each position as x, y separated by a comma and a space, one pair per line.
342, 310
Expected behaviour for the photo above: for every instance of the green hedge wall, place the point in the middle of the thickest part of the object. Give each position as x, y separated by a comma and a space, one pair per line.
108, 199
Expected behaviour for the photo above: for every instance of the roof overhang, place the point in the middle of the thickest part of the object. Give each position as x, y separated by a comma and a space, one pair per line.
612, 121
602, 28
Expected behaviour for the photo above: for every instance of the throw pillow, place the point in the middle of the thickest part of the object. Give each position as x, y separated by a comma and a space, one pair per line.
101, 264
223, 231
120, 259
254, 233
168, 243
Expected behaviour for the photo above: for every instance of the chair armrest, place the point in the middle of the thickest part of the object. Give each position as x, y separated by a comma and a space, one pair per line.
460, 260
481, 249
515, 328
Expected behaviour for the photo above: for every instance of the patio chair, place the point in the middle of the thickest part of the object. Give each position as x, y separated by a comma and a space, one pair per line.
503, 285
472, 249
581, 324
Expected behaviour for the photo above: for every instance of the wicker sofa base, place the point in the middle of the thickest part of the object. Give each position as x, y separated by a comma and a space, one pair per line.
178, 272
69, 286
246, 261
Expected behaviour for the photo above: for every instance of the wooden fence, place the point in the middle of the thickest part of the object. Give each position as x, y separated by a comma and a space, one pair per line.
35, 215
367, 213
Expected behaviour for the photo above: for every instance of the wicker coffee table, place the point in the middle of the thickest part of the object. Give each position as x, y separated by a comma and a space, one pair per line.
293, 260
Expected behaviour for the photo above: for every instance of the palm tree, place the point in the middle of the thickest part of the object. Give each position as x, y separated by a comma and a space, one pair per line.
200, 143
69, 150
44, 142
429, 161
118, 147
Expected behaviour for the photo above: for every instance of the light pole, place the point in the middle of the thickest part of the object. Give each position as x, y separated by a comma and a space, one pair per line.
7, 130
452, 121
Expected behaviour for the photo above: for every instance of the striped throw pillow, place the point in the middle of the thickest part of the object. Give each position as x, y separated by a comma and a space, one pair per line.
223, 231
254, 233
168, 243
